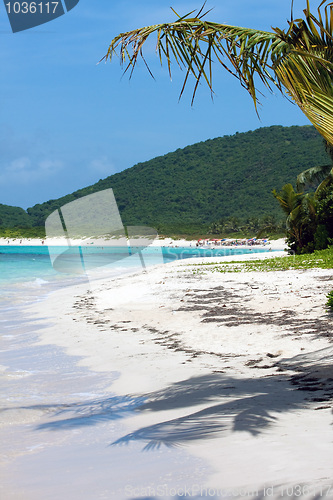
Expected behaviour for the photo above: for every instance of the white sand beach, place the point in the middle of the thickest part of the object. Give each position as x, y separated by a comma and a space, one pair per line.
58, 241
231, 375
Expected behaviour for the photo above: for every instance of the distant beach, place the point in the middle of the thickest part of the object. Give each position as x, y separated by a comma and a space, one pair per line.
164, 242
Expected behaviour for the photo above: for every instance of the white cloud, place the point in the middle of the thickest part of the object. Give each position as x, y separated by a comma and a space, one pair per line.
23, 170
18, 165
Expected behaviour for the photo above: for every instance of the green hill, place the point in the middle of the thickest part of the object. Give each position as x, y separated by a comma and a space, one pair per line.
226, 176
14, 217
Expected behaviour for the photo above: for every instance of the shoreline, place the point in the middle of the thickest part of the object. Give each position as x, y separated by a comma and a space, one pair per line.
232, 377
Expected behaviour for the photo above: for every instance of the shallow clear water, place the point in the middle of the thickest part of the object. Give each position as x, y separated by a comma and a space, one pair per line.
18, 264
22, 264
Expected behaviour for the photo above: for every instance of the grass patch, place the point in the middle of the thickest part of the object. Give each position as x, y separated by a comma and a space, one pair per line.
23, 232
320, 259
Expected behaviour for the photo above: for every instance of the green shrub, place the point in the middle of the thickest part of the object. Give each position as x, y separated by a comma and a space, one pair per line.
329, 302
321, 237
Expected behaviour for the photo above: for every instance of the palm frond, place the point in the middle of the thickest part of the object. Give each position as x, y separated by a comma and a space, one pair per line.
298, 60
194, 44
326, 183
289, 200
308, 78
312, 177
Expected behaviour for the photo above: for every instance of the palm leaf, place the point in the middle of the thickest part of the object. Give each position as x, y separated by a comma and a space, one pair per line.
312, 176
289, 200
298, 60
326, 183
193, 43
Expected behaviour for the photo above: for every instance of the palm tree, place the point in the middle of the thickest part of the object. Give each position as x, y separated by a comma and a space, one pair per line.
301, 219
320, 177
298, 61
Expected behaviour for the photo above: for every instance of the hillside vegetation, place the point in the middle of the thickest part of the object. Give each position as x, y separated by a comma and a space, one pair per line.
13, 217
222, 177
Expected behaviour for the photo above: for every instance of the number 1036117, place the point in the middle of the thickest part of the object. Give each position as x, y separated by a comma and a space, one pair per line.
32, 7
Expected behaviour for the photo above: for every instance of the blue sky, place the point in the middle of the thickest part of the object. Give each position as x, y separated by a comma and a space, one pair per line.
66, 122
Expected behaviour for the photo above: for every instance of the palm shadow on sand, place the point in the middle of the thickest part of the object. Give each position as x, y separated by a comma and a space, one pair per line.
227, 404
209, 405
247, 405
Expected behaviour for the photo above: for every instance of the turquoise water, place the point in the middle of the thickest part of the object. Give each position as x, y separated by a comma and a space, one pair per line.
21, 264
